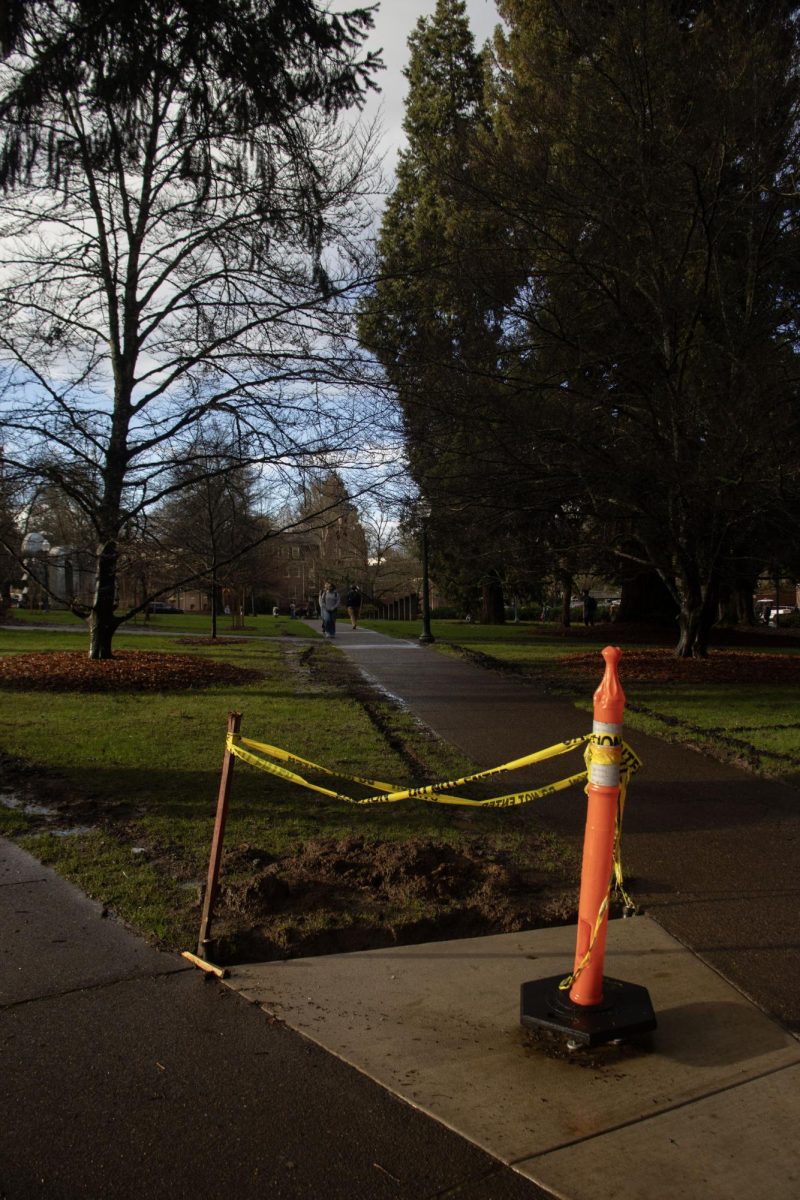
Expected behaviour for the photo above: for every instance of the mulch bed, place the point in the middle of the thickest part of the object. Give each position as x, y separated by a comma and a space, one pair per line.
127, 671
661, 666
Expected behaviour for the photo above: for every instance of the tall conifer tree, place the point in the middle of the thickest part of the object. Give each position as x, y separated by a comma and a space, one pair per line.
642, 156
433, 318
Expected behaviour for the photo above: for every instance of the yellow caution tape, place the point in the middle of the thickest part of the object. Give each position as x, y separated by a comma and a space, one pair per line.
598, 925
389, 793
606, 755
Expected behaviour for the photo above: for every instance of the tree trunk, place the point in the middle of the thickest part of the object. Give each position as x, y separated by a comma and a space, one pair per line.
492, 604
102, 622
745, 610
695, 620
736, 604
645, 597
566, 598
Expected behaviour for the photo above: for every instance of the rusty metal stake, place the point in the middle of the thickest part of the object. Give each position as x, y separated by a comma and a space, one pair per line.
234, 724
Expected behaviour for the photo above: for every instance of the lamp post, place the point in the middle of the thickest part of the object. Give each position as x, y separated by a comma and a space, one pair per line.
424, 510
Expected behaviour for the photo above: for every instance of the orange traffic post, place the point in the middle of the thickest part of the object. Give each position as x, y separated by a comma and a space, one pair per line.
587, 1006
598, 843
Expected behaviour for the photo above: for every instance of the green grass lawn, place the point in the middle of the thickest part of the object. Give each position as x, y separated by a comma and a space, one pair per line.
194, 624
755, 725
137, 773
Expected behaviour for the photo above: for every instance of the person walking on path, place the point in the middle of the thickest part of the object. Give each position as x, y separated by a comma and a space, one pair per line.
353, 602
328, 604
589, 607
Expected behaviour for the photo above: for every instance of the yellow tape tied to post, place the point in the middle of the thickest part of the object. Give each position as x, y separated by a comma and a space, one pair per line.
267, 757
629, 764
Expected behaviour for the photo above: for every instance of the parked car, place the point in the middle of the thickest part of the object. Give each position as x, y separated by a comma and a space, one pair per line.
767, 611
160, 606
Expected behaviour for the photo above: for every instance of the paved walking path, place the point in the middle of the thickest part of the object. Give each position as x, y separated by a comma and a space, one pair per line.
711, 852
404, 1073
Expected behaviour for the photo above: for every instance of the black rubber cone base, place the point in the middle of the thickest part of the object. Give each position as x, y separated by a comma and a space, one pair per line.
624, 1011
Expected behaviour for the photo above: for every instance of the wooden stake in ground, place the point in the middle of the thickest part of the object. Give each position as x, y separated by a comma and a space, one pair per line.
226, 779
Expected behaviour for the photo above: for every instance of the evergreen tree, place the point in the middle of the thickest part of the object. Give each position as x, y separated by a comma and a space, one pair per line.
642, 152
224, 64
434, 317
328, 511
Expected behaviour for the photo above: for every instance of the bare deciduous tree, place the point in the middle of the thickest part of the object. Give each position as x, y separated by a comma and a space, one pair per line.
172, 254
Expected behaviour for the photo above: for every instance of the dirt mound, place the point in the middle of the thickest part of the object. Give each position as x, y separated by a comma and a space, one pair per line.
127, 671
355, 893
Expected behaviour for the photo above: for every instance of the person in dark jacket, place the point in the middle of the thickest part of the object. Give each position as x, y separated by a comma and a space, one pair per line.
589, 607
353, 602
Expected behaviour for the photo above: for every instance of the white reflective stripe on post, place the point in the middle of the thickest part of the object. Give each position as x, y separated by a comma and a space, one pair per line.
604, 774
606, 738
602, 727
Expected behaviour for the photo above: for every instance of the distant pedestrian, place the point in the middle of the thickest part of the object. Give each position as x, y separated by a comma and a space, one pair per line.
293, 610
589, 607
353, 602
328, 604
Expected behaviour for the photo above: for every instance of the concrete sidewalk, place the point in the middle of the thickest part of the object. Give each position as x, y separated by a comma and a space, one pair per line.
706, 1106
129, 1075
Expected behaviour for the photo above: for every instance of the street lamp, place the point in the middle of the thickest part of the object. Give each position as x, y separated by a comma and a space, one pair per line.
424, 511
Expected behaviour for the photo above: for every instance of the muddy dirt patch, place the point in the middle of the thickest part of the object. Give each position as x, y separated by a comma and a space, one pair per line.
355, 893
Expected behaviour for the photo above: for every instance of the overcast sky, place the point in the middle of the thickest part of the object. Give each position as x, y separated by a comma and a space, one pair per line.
394, 21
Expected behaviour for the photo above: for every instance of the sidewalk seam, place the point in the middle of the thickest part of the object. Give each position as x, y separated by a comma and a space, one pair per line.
24, 882
694, 1100
94, 987
455, 1189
